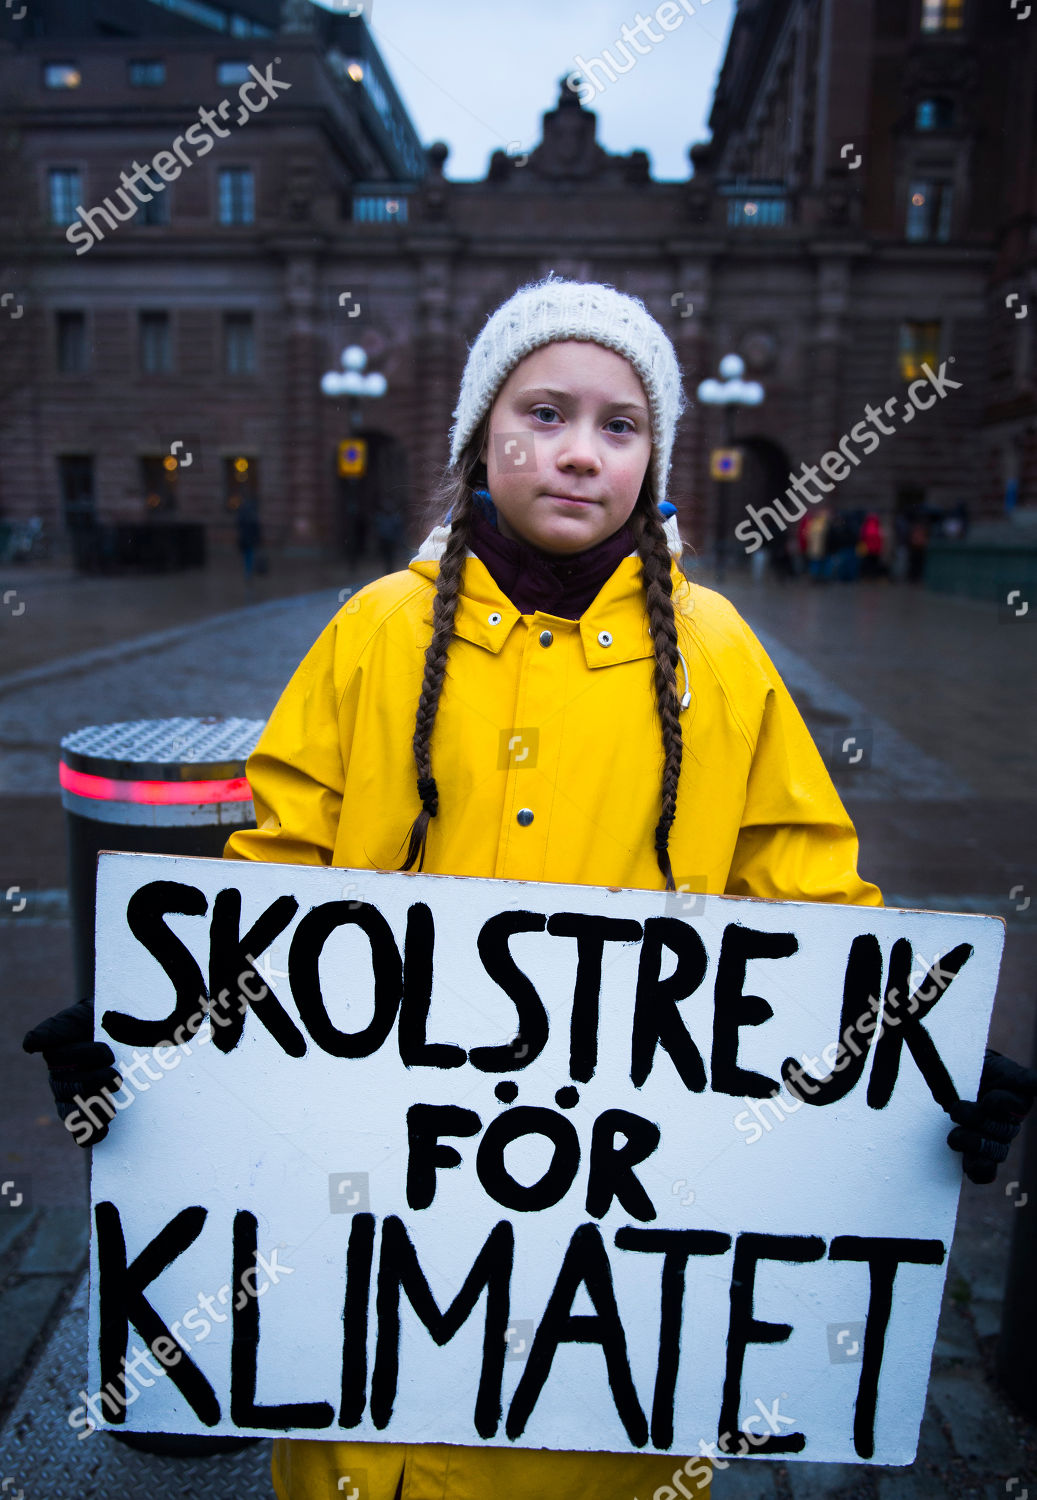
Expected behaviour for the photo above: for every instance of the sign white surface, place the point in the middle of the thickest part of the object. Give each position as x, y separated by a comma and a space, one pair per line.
509, 1159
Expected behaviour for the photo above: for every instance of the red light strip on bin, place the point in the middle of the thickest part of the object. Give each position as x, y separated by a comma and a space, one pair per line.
105, 789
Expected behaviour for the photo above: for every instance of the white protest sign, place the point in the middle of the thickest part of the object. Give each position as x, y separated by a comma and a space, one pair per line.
493, 1162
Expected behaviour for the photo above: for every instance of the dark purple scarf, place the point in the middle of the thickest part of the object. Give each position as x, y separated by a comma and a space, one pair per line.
533, 579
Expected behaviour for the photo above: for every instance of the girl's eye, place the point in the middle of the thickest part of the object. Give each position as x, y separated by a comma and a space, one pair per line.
629, 427
538, 411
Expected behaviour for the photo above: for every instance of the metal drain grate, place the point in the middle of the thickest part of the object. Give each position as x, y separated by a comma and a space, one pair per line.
41, 1454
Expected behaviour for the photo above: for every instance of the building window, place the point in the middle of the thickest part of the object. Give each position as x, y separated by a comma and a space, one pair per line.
237, 195
156, 343
934, 114
755, 213
61, 76
918, 342
232, 72
929, 210
156, 210
943, 15
158, 478
66, 194
380, 210
147, 73
239, 344
240, 481
71, 343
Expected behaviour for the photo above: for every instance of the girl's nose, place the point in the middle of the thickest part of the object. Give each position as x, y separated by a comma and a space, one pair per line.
579, 451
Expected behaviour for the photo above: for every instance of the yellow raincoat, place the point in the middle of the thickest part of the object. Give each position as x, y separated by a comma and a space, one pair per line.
555, 718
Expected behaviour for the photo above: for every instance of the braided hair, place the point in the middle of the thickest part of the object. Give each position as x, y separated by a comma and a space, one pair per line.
454, 494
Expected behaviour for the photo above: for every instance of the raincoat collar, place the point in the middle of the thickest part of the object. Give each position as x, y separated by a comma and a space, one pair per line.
613, 628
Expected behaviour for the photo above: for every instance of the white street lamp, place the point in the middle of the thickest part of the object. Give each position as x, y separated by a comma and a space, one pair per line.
351, 380
730, 392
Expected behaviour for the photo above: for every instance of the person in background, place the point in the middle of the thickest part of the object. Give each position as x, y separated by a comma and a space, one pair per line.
917, 542
249, 536
818, 561
388, 525
872, 545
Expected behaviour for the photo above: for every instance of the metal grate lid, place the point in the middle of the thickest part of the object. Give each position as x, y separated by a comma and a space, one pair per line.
211, 748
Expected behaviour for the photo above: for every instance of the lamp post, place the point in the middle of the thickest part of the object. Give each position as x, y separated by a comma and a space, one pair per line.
352, 381
728, 393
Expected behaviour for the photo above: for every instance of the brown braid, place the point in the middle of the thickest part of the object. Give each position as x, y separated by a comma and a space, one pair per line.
655, 570
647, 527
444, 608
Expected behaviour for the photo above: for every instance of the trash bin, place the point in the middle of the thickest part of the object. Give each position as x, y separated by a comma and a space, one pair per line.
150, 786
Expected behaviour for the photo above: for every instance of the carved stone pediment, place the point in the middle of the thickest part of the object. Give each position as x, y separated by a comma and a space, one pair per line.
569, 147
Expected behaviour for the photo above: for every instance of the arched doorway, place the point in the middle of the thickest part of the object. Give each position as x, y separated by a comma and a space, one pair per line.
372, 507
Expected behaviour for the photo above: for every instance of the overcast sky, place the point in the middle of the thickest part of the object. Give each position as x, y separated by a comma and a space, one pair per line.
479, 75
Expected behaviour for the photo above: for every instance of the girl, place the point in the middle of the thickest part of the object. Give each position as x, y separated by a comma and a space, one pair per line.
543, 695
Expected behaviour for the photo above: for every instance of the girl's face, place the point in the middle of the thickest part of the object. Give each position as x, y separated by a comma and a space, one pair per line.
568, 445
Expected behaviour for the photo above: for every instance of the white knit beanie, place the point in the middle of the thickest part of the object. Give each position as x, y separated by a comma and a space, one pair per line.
553, 309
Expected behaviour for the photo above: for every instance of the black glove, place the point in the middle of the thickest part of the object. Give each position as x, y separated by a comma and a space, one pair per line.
984, 1130
79, 1067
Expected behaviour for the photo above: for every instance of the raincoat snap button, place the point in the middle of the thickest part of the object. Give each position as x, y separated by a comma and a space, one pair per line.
604, 638
494, 619
546, 638
525, 817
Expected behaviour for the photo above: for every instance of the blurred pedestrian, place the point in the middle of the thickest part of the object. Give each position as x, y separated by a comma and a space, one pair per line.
800, 561
872, 544
249, 536
780, 556
841, 545
388, 525
901, 534
818, 562
917, 542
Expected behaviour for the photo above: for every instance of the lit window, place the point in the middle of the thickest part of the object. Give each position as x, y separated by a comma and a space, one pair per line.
934, 114
943, 15
929, 210
232, 72
156, 344
66, 194
755, 213
71, 336
61, 76
239, 344
918, 342
380, 210
237, 196
147, 73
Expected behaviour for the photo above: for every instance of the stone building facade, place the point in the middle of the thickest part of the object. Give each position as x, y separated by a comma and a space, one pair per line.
865, 206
